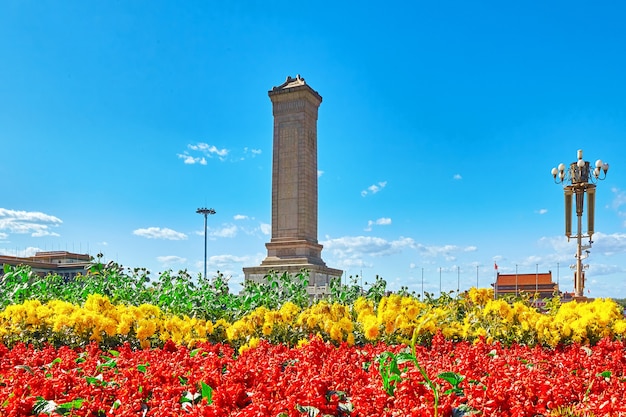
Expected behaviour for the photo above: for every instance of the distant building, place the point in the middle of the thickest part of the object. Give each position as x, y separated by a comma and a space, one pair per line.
62, 263
537, 285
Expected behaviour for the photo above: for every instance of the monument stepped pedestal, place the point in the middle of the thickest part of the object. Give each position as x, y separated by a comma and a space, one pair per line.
294, 246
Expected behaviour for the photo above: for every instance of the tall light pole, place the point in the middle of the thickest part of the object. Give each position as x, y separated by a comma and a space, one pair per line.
440, 290
581, 180
205, 212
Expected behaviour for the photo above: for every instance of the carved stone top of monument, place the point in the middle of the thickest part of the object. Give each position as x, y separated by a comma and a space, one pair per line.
293, 84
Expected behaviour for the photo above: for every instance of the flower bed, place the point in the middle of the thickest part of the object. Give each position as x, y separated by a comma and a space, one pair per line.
274, 380
120, 348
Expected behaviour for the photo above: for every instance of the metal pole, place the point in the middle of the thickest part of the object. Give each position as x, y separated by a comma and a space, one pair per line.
205, 212
579, 238
440, 292
205, 221
536, 279
582, 177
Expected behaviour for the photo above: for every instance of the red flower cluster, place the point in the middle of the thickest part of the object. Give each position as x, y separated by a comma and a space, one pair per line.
273, 380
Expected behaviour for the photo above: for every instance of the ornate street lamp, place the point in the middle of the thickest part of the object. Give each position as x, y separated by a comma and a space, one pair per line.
581, 180
205, 212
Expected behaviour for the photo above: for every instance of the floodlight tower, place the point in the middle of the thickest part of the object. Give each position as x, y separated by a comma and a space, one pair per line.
205, 212
581, 180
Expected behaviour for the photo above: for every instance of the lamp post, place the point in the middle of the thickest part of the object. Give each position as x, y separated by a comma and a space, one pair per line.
581, 180
205, 212
440, 290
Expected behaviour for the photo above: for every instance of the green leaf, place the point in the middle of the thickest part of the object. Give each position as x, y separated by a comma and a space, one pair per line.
67, 407
98, 380
43, 406
195, 352
605, 374
111, 363
453, 378
405, 357
114, 353
308, 409
207, 392
26, 368
51, 364
189, 397
143, 367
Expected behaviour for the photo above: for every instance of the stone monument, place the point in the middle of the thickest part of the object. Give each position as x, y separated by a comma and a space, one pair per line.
294, 246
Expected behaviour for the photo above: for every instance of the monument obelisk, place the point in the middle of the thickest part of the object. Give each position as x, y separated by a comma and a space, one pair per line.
294, 246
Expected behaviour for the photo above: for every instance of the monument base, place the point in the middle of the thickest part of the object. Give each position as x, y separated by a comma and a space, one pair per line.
319, 276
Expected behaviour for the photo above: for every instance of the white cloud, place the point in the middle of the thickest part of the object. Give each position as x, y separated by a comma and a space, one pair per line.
240, 217
603, 244
374, 188
158, 233
457, 177
3, 236
197, 153
43, 231
354, 262
446, 251
209, 150
383, 221
353, 251
266, 228
619, 198
254, 152
226, 260
319, 173
23, 222
226, 231
190, 160
29, 216
30, 251
348, 246
169, 260
542, 211
609, 244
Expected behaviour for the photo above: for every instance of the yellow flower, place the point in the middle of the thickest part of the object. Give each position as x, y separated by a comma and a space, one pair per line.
252, 343
289, 311
370, 329
146, 329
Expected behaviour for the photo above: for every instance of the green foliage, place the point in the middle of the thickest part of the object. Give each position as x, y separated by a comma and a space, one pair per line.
347, 294
275, 291
392, 374
174, 293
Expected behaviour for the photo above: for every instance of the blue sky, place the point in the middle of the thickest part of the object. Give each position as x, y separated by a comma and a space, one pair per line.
439, 126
